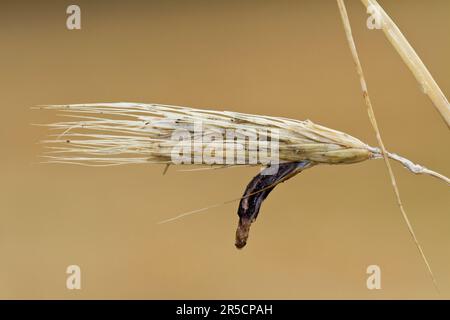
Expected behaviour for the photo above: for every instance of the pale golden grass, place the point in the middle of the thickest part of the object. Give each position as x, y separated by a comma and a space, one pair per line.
121, 133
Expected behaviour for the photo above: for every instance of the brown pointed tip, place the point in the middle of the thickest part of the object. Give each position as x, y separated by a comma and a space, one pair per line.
242, 233
240, 243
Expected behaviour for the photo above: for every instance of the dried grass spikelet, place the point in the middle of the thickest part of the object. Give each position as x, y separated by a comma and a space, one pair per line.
105, 134
124, 133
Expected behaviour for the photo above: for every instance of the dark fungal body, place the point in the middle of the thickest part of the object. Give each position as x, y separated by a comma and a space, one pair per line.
257, 191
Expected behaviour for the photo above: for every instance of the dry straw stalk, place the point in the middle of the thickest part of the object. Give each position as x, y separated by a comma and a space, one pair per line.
422, 75
413, 61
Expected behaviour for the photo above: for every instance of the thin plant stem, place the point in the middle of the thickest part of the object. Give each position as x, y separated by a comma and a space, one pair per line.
351, 43
412, 60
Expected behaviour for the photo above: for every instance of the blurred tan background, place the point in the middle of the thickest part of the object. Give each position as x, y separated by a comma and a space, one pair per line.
316, 234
